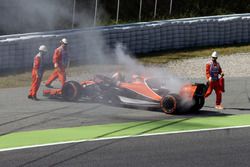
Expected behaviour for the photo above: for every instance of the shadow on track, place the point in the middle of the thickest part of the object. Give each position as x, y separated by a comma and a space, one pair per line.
48, 120
205, 113
240, 109
101, 146
231, 108
35, 115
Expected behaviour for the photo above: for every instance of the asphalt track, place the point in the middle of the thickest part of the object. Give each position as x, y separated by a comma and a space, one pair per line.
225, 147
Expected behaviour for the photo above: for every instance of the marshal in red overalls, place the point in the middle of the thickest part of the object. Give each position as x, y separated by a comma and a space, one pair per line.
37, 72
213, 70
60, 60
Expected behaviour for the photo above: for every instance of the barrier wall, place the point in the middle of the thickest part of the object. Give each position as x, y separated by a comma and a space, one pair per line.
17, 51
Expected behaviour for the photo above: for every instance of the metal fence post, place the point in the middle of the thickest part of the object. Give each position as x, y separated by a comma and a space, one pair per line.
155, 10
117, 11
140, 10
73, 14
96, 5
170, 7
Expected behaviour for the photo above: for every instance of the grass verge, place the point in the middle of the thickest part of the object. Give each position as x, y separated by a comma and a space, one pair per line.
163, 57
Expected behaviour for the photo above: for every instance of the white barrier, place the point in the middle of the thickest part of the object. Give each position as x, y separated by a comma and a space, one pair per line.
17, 51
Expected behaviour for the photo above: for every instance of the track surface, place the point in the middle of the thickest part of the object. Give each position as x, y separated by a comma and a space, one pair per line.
17, 113
218, 148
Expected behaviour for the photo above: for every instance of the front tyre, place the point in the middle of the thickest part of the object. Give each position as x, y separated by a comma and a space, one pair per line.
71, 91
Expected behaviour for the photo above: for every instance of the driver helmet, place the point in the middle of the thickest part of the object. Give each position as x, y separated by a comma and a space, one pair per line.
118, 76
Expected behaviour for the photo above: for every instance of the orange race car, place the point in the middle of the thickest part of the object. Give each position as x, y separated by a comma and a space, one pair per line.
139, 92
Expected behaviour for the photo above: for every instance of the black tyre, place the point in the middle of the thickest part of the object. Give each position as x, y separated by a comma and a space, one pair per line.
199, 102
170, 103
71, 91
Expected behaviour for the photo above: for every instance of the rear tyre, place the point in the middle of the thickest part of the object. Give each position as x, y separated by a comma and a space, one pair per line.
199, 102
71, 91
170, 103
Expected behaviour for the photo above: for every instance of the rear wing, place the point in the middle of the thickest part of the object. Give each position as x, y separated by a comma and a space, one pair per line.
191, 90
201, 89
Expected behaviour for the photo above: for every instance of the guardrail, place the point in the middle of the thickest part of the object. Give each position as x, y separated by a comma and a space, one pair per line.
17, 51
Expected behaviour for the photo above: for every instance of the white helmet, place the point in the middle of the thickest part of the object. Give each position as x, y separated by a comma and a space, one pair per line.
64, 40
214, 54
43, 48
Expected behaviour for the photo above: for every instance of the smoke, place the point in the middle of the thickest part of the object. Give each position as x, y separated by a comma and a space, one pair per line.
132, 66
27, 15
160, 74
99, 52
24, 16
21, 16
94, 49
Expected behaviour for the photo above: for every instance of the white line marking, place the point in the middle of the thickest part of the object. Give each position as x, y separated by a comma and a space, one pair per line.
121, 137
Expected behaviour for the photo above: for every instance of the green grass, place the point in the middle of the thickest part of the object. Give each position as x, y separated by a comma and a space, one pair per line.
16, 80
163, 57
24, 79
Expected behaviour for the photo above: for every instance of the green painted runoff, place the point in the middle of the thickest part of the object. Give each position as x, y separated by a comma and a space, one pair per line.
39, 137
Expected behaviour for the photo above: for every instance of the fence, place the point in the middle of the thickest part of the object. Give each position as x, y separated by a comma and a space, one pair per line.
17, 51
118, 9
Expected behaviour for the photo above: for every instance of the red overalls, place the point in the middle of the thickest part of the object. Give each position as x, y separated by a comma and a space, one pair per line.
213, 69
37, 74
61, 58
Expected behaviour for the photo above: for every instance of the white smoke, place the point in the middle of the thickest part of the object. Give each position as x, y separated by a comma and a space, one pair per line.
24, 16
167, 80
29, 15
92, 47
131, 65
95, 50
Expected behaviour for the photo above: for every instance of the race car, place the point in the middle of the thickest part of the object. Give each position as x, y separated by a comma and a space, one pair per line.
139, 92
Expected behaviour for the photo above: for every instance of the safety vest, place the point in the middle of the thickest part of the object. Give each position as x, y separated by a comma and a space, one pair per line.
65, 57
214, 71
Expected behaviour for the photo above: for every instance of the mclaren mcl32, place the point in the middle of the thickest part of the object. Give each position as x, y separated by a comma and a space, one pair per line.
139, 92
